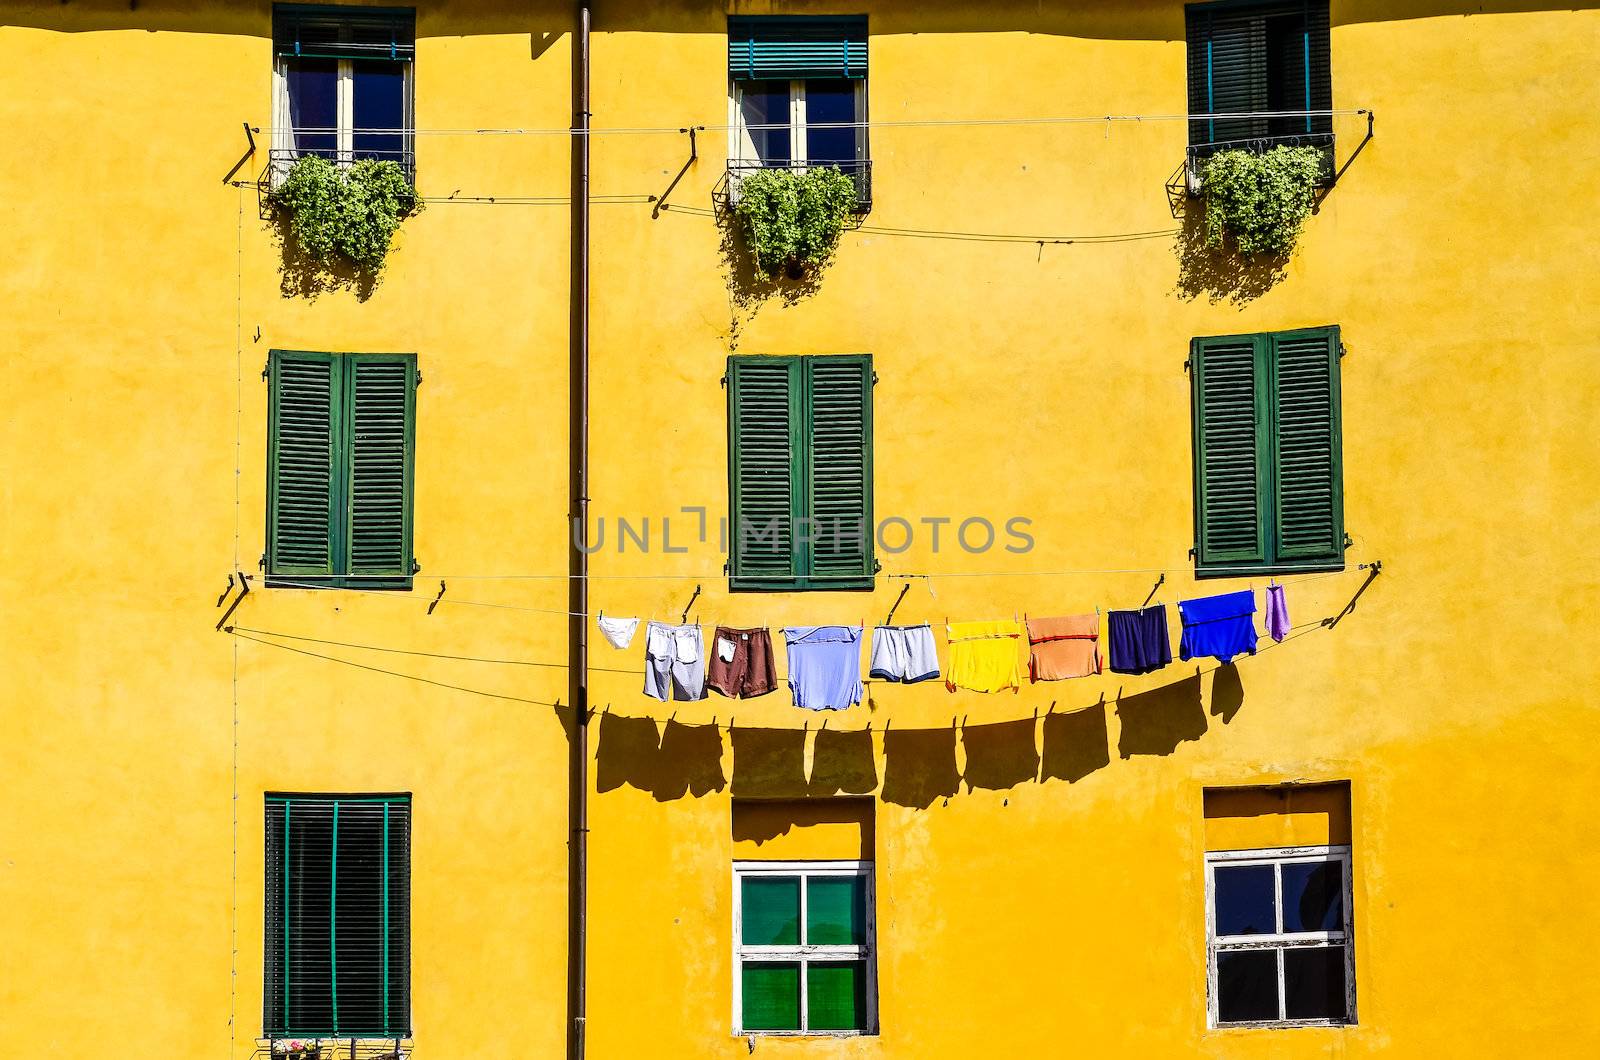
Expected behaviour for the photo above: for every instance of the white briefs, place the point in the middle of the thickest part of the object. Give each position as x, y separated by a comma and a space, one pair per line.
619, 631
904, 653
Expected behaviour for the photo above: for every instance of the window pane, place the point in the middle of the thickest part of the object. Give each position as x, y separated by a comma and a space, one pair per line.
830, 102
771, 911
379, 102
771, 996
836, 911
1313, 982
1313, 897
313, 104
1247, 986
767, 103
1244, 897
836, 996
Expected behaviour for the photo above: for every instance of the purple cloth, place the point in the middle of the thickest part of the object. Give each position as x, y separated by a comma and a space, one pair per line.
824, 666
1277, 614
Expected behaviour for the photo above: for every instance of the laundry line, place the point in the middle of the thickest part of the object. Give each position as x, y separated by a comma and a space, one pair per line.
1294, 634
307, 580
892, 123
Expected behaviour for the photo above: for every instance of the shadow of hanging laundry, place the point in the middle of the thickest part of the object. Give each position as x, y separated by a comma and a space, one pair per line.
1000, 755
919, 766
1075, 744
1227, 693
628, 751
841, 763
770, 763
690, 761
1157, 721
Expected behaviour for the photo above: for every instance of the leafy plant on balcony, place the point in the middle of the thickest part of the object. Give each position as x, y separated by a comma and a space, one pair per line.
349, 212
791, 220
1259, 201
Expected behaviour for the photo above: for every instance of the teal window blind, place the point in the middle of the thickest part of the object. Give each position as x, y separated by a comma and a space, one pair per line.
1268, 461
784, 46
805, 948
338, 916
1249, 57
800, 472
330, 31
341, 451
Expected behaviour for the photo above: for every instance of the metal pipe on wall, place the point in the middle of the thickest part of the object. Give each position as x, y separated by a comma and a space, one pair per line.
578, 559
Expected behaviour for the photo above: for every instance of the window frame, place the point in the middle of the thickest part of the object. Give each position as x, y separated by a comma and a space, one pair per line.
803, 954
1280, 941
402, 872
745, 154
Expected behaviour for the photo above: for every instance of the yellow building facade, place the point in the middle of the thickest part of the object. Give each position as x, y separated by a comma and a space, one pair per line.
1040, 865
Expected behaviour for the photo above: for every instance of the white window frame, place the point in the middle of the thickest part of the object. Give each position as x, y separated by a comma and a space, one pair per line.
804, 954
799, 139
1279, 940
344, 109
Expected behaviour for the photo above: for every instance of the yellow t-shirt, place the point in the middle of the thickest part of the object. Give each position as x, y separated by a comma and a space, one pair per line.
984, 656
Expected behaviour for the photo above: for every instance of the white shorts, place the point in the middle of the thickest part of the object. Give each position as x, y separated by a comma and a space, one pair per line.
674, 662
904, 653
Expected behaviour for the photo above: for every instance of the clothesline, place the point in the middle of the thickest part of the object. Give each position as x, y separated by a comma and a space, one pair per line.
901, 123
729, 726
309, 580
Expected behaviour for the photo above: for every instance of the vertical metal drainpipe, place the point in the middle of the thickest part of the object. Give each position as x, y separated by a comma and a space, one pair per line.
578, 559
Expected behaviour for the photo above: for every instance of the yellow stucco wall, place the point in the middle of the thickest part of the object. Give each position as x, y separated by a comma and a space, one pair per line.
1016, 917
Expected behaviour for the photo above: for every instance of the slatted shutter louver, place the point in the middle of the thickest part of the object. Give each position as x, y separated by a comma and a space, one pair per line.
381, 397
789, 47
1228, 484
840, 391
763, 416
302, 489
1307, 487
1258, 57
316, 31
337, 917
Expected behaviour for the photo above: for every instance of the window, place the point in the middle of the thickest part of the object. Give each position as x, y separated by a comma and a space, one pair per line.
798, 94
338, 916
800, 472
341, 440
342, 83
1255, 57
804, 954
1269, 494
1279, 936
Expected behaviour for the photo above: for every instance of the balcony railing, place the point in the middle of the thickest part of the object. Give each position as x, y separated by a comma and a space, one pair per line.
280, 159
1185, 183
858, 170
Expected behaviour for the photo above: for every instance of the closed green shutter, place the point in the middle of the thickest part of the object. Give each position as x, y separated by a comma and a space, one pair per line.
1251, 57
337, 897
1308, 489
789, 47
764, 415
839, 390
303, 489
319, 31
1269, 491
382, 393
800, 472
1228, 467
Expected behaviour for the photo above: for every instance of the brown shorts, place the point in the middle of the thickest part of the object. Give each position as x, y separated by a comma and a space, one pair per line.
741, 663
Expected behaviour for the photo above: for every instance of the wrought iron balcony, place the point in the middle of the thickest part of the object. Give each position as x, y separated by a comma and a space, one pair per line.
1186, 181
858, 170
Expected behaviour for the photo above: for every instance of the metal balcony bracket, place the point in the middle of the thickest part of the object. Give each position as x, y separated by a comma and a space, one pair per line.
694, 153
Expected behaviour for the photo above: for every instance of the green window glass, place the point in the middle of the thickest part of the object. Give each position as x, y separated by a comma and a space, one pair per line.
804, 956
341, 448
1269, 492
800, 472
338, 925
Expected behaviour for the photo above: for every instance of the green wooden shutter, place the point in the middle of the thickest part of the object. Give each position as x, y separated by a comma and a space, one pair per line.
764, 415
1308, 476
303, 487
790, 46
1228, 462
381, 392
839, 480
319, 31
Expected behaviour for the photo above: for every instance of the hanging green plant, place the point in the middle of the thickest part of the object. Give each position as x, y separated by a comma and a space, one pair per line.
1260, 200
349, 212
792, 219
